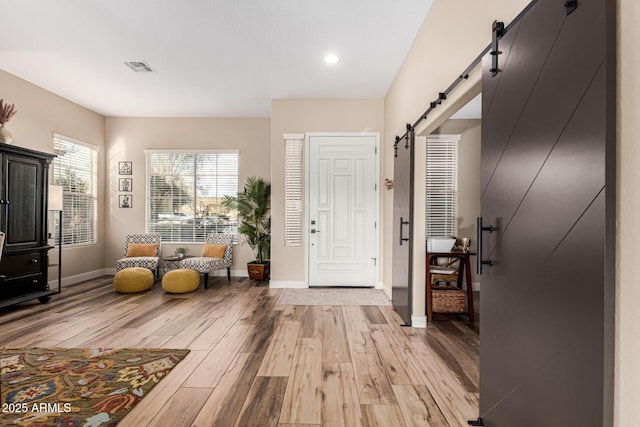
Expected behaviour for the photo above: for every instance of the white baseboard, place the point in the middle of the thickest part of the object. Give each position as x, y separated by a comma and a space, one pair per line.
234, 273
288, 284
385, 288
223, 272
418, 321
72, 280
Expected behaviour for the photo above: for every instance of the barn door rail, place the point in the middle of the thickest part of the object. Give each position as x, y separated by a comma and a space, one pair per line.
465, 74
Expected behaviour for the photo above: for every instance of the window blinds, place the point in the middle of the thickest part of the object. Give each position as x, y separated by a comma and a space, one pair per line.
293, 190
76, 169
442, 172
185, 190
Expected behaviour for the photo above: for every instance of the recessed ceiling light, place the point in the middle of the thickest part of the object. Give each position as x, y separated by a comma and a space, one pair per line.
331, 58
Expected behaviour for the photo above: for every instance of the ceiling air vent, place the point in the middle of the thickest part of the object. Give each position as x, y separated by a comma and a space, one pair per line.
139, 66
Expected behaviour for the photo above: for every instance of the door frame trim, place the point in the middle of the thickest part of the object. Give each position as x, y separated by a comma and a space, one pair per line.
307, 161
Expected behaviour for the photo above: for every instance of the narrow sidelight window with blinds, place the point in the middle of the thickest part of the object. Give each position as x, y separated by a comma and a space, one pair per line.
442, 172
293, 190
184, 191
76, 169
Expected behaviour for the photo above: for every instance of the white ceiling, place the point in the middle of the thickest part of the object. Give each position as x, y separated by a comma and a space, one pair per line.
214, 58
471, 110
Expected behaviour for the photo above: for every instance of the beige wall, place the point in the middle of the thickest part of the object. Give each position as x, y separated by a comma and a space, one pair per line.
627, 348
301, 116
127, 138
40, 114
453, 34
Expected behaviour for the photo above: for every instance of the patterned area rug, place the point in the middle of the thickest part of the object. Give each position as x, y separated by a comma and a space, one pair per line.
94, 387
334, 296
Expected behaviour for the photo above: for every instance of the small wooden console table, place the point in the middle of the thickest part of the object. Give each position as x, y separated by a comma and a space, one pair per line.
465, 268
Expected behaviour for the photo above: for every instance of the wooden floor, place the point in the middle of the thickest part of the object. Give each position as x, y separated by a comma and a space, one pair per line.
255, 363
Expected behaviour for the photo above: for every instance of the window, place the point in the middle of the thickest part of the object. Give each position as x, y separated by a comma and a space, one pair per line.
76, 169
293, 189
185, 190
442, 186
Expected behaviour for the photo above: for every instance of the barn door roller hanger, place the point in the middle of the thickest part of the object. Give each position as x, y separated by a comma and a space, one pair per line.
497, 29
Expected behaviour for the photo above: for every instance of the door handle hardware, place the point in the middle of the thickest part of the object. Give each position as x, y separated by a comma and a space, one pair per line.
33, 261
402, 224
480, 228
314, 231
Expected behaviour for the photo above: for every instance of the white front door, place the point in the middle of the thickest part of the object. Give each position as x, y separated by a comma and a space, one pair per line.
343, 204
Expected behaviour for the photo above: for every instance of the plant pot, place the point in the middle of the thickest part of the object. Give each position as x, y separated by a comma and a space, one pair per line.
5, 135
258, 271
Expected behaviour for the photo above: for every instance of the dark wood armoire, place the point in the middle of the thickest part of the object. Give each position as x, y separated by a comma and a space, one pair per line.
24, 176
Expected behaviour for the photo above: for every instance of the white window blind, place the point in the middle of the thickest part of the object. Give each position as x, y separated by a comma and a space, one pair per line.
76, 169
293, 190
442, 186
184, 191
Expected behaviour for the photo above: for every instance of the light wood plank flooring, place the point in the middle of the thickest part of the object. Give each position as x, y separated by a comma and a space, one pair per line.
256, 363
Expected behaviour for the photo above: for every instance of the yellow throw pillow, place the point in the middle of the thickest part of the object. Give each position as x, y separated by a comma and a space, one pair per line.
142, 249
213, 251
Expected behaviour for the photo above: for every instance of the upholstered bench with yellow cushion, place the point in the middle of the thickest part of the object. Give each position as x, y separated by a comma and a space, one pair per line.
181, 281
133, 279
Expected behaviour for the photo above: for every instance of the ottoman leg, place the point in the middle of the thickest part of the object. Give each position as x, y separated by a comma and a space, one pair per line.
229, 273
206, 280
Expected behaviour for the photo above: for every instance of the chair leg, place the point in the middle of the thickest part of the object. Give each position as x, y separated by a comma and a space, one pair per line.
206, 280
229, 273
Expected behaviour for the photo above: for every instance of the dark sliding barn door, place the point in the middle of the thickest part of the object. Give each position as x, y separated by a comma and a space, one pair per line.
403, 227
547, 189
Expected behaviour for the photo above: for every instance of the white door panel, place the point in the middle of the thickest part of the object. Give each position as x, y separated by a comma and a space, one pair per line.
342, 211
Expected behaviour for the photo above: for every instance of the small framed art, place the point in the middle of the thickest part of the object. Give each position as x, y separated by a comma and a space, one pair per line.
126, 185
125, 200
125, 168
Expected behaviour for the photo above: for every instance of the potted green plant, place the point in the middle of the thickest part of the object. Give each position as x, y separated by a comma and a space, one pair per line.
254, 223
180, 252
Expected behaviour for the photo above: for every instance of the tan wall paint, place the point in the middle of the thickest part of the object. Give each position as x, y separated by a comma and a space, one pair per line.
627, 347
453, 34
127, 138
302, 116
40, 114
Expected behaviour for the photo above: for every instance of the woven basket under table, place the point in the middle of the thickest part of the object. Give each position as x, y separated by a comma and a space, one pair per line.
448, 299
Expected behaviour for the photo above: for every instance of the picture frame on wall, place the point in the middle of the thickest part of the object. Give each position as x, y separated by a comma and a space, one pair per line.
125, 200
125, 168
125, 185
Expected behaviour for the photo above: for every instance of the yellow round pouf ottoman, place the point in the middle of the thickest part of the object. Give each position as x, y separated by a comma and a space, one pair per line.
181, 281
133, 279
